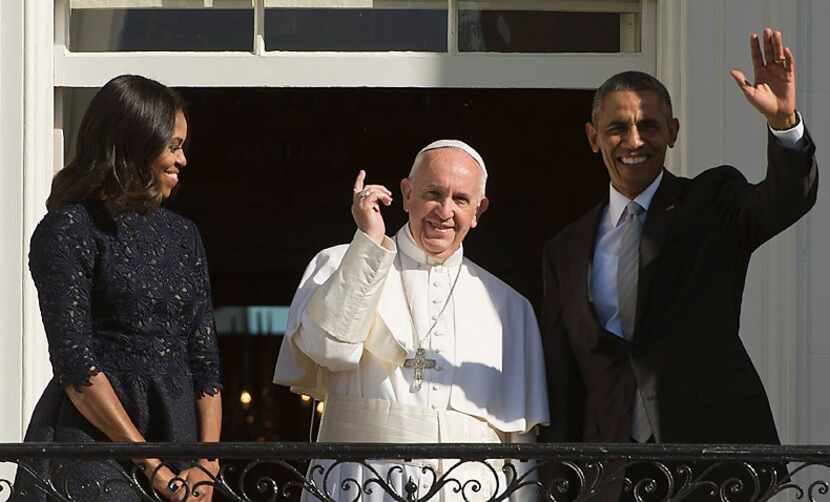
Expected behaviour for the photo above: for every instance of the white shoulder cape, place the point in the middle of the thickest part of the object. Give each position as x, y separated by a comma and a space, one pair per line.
501, 373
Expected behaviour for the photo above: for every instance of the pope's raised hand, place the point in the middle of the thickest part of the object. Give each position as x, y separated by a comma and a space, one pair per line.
773, 93
366, 201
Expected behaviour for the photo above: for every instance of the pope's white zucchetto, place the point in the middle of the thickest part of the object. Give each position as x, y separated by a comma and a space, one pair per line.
454, 143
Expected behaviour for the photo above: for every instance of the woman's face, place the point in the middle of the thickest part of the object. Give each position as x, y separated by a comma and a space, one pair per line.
171, 161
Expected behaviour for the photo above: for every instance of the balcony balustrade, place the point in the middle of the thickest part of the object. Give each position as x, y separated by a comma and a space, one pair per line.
556, 472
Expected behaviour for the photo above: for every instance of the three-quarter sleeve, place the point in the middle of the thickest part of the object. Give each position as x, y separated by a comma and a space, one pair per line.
203, 352
62, 262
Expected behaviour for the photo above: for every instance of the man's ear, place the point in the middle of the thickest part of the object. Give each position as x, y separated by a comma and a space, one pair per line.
406, 191
483, 204
674, 129
591, 133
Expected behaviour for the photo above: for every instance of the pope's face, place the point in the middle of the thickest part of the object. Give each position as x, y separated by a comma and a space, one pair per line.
443, 199
632, 132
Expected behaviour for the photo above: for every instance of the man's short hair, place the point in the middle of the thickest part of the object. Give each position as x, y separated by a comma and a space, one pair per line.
636, 81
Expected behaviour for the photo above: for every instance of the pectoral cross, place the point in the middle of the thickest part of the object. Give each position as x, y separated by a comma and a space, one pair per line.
419, 363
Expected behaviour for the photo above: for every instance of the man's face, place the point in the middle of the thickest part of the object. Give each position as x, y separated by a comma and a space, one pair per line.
443, 200
632, 131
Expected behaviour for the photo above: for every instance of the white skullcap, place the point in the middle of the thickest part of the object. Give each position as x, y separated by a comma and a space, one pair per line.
454, 143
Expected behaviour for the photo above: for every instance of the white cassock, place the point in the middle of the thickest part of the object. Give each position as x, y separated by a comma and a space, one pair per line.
349, 333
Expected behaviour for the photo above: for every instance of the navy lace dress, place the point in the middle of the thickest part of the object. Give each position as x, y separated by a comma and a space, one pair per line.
127, 296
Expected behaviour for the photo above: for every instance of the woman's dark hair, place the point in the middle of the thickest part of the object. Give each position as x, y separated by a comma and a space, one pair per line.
128, 124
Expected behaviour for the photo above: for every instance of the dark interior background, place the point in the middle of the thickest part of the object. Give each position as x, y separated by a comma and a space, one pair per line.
270, 173
269, 182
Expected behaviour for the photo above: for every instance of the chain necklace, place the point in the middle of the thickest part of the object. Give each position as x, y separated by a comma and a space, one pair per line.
420, 362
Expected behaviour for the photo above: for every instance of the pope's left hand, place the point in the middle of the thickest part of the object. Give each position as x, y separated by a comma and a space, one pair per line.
773, 93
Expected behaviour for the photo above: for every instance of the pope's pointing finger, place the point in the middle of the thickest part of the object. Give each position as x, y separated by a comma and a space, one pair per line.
358, 182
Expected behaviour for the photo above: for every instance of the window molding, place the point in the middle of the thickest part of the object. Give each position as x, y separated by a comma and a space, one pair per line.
475, 70
354, 69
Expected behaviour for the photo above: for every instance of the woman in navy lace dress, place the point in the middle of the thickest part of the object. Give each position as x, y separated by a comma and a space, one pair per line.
125, 300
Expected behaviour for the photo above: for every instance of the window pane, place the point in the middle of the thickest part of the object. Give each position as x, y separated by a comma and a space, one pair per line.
75, 102
398, 28
109, 26
549, 26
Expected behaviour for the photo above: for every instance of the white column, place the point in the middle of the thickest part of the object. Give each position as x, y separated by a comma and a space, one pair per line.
11, 217
38, 166
11, 223
672, 44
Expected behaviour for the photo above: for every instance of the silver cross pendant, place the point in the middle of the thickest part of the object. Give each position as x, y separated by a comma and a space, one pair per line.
419, 363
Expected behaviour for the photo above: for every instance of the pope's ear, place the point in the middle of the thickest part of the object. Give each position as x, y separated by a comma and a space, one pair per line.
483, 204
406, 191
591, 133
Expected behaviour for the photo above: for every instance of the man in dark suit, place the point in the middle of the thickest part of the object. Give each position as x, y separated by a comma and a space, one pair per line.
643, 293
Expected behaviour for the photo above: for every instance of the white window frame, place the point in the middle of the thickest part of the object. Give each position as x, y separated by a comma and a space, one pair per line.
261, 68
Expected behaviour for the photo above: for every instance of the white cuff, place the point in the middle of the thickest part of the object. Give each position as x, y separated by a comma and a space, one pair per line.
790, 137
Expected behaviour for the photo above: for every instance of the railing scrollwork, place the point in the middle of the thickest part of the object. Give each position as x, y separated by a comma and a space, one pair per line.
259, 472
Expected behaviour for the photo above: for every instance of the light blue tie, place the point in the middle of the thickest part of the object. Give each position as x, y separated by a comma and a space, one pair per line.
628, 270
628, 267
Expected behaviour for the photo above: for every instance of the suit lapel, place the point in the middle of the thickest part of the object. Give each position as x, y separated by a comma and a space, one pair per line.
580, 261
659, 217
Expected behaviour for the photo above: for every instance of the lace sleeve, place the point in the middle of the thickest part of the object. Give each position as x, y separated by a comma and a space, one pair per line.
62, 261
202, 347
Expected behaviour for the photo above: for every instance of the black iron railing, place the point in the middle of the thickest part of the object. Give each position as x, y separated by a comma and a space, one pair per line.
556, 472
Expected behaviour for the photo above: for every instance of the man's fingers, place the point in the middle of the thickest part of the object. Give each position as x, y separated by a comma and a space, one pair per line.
778, 45
740, 79
769, 51
380, 188
358, 182
370, 191
755, 48
373, 196
743, 84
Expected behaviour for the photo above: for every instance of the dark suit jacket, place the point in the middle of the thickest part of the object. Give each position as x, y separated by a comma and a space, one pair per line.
697, 239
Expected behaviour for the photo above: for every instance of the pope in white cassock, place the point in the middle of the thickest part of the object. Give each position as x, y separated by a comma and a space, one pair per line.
408, 341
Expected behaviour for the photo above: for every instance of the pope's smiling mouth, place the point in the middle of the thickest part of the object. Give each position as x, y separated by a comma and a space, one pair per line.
439, 227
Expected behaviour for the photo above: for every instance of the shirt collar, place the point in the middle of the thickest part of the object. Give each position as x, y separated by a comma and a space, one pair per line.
618, 201
406, 245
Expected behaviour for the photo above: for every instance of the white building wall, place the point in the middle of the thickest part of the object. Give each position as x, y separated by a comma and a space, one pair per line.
814, 86
785, 310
